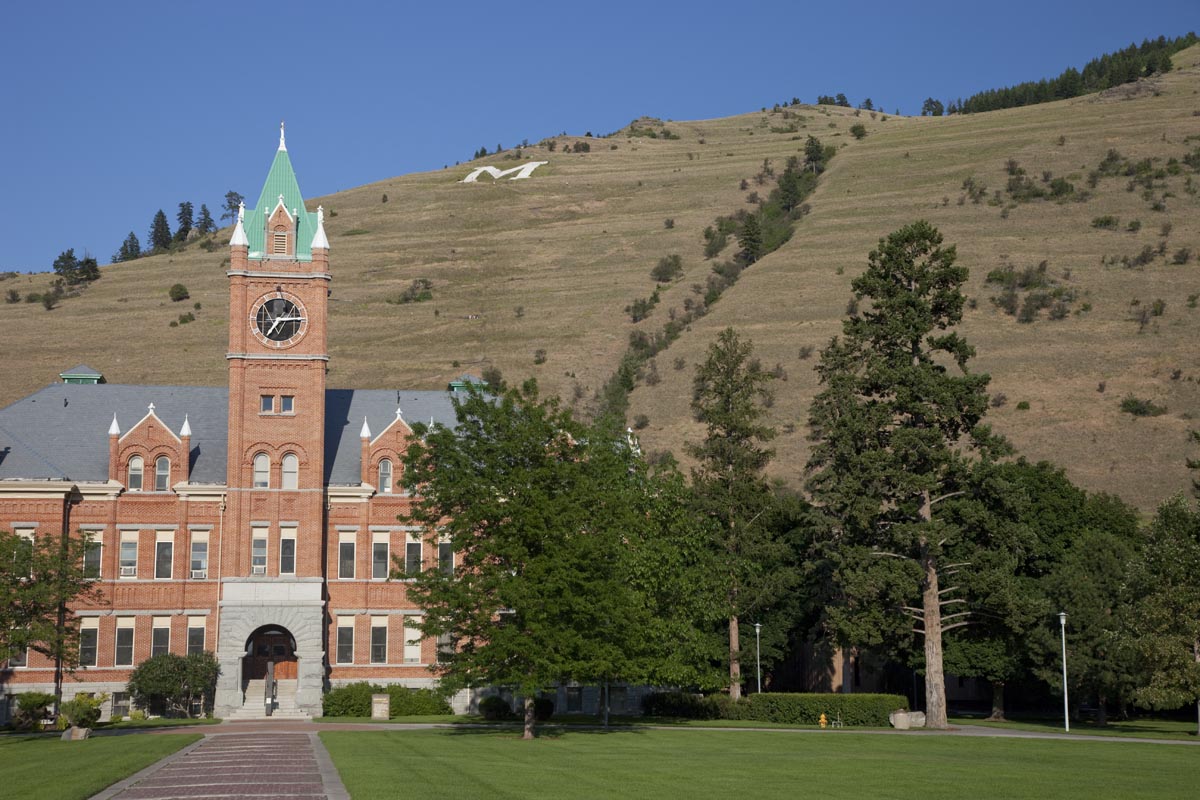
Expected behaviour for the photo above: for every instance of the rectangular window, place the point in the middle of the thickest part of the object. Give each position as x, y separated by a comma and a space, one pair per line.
379, 557
120, 704
616, 699
379, 640
91, 556
266, 403
123, 654
258, 551
287, 551
345, 640
25, 555
287, 404
164, 554
574, 699
412, 641
198, 564
160, 636
346, 554
129, 554
446, 558
17, 657
445, 647
195, 635
412, 558
89, 639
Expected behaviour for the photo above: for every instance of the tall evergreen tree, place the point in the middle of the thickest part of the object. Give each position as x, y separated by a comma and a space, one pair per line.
89, 268
66, 266
184, 218
205, 224
229, 209
755, 570
750, 237
160, 232
130, 249
897, 434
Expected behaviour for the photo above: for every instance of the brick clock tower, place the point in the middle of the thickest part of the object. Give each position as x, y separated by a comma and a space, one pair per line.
273, 559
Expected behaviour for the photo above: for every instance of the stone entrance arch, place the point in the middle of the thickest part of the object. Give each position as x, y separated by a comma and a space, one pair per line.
250, 606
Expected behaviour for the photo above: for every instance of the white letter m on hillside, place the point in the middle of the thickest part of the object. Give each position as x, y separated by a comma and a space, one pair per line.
518, 173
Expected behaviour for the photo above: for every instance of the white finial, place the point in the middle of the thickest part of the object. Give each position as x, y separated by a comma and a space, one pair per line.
186, 430
238, 239
365, 433
281, 202
282, 141
397, 412
320, 240
114, 429
150, 408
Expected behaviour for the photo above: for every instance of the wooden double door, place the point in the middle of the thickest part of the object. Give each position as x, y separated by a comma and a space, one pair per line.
266, 648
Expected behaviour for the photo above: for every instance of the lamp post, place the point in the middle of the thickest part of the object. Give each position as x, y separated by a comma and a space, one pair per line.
1062, 624
758, 654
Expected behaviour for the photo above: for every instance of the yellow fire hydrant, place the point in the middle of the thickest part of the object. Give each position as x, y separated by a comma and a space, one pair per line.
823, 721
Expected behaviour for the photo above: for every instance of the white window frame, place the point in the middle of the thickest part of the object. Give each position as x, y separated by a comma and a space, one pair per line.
258, 561
124, 624
412, 641
198, 572
197, 623
266, 404
343, 623
262, 471
162, 474
290, 478
384, 472
126, 570
379, 623
135, 467
161, 538
380, 539
287, 404
408, 563
159, 624
89, 627
94, 543
28, 535
347, 538
287, 534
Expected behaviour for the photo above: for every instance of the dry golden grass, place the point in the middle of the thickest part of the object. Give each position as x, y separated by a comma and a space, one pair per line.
574, 245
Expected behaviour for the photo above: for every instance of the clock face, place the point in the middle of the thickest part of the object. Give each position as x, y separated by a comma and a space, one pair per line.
278, 319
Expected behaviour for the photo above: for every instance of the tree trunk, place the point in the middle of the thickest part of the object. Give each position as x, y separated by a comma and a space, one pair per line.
528, 734
935, 679
1101, 709
997, 701
735, 665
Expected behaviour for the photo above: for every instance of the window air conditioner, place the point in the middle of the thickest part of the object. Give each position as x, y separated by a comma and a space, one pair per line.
258, 570
198, 574
128, 572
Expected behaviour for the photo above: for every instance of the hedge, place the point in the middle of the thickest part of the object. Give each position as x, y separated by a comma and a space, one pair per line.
354, 700
869, 710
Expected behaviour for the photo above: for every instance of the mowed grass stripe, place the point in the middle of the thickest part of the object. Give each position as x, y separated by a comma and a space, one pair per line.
694, 764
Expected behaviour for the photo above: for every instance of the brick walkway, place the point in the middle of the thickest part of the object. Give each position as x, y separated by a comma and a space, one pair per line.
294, 766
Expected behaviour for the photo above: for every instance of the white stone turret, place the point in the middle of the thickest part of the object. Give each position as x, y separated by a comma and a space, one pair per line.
319, 238
239, 231
114, 429
186, 430
365, 433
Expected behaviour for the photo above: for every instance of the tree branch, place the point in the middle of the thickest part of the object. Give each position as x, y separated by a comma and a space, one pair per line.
946, 496
952, 600
892, 555
956, 625
959, 614
947, 589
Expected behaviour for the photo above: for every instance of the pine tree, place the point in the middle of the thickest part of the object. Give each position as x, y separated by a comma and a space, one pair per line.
66, 266
131, 248
89, 269
814, 155
730, 389
184, 218
205, 224
230, 207
160, 232
897, 434
751, 239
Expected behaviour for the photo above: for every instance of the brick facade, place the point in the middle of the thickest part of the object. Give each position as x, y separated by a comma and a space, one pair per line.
236, 555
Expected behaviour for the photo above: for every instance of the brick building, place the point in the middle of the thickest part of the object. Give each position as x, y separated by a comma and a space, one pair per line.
256, 520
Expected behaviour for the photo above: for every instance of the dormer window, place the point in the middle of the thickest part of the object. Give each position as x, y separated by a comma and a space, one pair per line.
385, 476
134, 482
279, 242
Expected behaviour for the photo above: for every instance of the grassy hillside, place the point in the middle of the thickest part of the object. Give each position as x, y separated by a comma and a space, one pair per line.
573, 245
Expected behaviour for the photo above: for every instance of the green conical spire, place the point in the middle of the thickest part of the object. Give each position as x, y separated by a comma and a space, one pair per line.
281, 182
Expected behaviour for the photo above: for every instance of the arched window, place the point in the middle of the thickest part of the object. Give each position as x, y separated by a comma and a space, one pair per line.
134, 484
385, 476
291, 471
262, 471
162, 474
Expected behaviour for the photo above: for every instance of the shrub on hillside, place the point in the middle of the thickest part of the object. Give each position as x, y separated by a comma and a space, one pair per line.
178, 292
1107, 222
13, 296
857, 130
1141, 408
668, 268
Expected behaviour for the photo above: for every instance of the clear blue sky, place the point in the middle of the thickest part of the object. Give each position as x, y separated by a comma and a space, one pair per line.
112, 110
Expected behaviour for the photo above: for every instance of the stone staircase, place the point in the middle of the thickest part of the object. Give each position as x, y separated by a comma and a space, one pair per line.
254, 706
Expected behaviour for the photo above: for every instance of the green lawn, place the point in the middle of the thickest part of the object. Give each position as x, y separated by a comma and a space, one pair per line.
44, 768
156, 722
697, 764
1135, 728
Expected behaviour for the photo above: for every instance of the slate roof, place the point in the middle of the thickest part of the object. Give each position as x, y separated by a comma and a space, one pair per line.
61, 432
